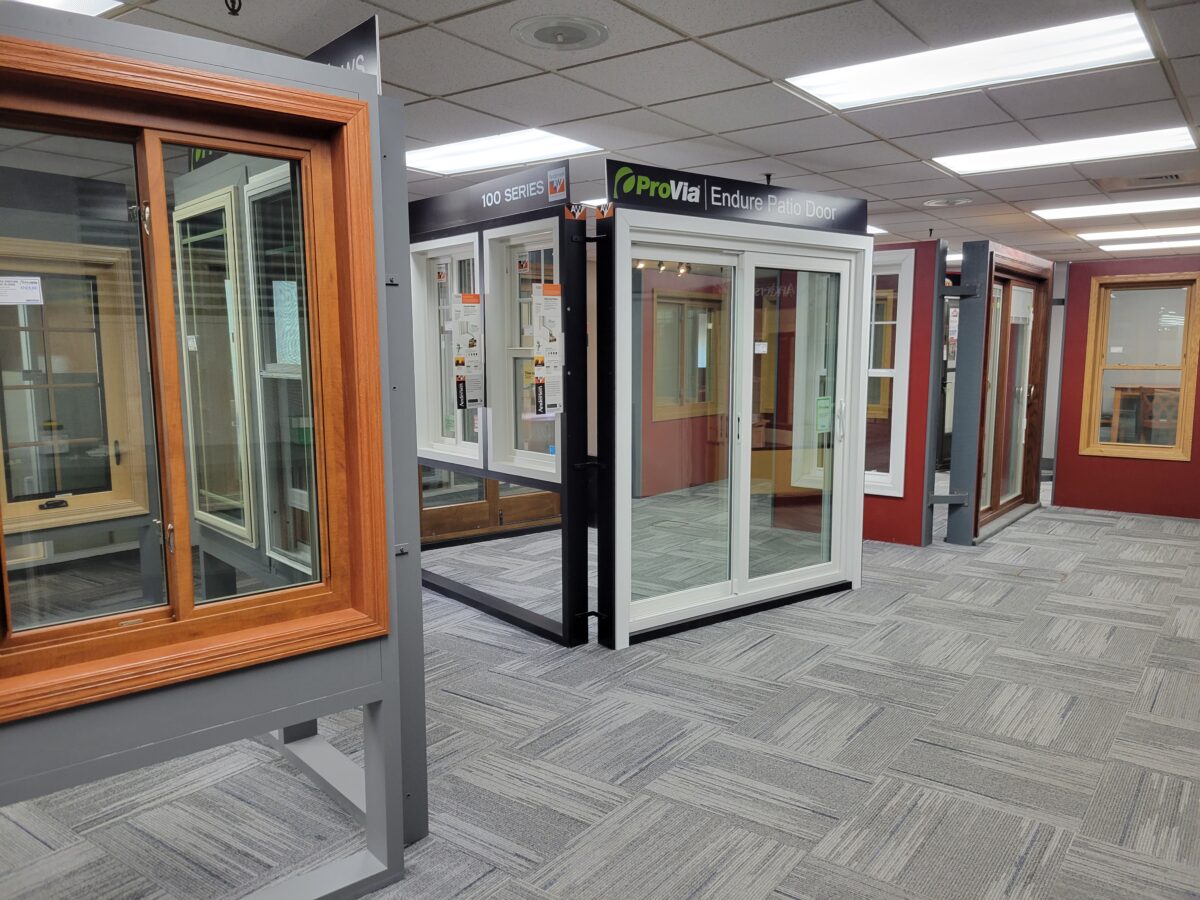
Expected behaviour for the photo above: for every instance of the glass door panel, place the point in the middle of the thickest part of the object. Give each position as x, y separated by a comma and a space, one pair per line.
1020, 339
683, 339
794, 392
991, 405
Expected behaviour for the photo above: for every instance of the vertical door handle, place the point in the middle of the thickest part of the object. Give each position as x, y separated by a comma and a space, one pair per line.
170, 537
841, 420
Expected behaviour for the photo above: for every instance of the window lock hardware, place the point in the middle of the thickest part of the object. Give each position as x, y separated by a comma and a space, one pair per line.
116, 453
400, 549
57, 503
587, 239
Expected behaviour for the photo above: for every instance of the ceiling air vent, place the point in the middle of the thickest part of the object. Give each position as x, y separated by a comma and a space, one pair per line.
1169, 179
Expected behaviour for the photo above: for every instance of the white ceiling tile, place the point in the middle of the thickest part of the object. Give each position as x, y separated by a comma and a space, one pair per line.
935, 114
1187, 70
1101, 122
908, 217
619, 131
946, 187
1039, 192
588, 168
1025, 176
665, 73
871, 153
704, 18
750, 169
150, 19
302, 28
838, 36
807, 134
983, 205
540, 100
977, 20
882, 207
763, 104
1006, 222
1163, 164
437, 63
1180, 29
627, 30
107, 151
967, 140
702, 151
431, 10
1141, 83
587, 190
394, 90
822, 183
35, 161
893, 174
440, 122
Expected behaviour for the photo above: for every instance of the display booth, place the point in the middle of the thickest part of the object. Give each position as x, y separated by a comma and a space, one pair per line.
499, 354
201, 542
732, 341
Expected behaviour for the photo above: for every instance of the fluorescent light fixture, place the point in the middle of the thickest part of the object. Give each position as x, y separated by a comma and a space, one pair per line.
1033, 54
1094, 236
599, 201
871, 229
1150, 245
1127, 208
1114, 146
954, 257
83, 7
495, 152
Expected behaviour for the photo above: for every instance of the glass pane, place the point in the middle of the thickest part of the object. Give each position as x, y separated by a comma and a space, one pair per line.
534, 430
510, 489
1139, 406
243, 325
81, 506
443, 487
1146, 326
791, 450
879, 424
445, 317
1020, 337
668, 343
883, 346
987, 454
681, 464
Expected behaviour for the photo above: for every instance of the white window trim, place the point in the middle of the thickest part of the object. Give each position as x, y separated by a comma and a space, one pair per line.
431, 444
502, 455
903, 264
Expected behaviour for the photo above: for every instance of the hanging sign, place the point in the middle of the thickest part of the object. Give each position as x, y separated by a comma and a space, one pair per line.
20, 289
532, 189
356, 50
647, 187
547, 348
468, 351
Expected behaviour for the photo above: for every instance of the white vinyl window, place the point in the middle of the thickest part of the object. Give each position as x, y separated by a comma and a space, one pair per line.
890, 305
441, 270
522, 441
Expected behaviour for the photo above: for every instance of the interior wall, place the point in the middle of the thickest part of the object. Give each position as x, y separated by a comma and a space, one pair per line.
898, 520
1154, 487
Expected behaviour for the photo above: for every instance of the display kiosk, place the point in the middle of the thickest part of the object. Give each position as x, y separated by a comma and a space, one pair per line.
732, 397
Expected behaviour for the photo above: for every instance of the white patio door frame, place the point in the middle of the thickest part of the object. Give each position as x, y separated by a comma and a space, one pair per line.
744, 246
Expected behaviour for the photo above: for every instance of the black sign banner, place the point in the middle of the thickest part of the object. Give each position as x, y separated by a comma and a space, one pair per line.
356, 50
640, 186
535, 188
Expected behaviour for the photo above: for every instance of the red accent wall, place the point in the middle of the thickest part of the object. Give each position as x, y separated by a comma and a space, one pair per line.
1154, 487
898, 519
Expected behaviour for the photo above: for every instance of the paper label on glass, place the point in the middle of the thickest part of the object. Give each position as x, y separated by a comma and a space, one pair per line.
761, 348
441, 273
468, 351
286, 299
824, 415
950, 351
20, 289
547, 348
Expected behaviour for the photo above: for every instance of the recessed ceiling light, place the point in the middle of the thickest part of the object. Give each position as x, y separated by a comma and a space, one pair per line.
872, 229
942, 202
1114, 146
1033, 54
1127, 208
1150, 245
83, 7
560, 32
954, 257
1139, 233
495, 152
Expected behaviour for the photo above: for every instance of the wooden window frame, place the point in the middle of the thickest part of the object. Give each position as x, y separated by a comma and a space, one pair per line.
665, 411
148, 103
1095, 366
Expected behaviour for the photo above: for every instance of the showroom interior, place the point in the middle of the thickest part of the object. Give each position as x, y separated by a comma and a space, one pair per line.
555, 449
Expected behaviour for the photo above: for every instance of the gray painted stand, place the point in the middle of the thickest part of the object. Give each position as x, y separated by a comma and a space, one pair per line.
385, 677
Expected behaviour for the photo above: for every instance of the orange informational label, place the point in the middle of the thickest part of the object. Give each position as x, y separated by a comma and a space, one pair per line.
551, 290
472, 299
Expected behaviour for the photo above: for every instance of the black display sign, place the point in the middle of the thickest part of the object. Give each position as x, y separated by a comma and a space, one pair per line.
646, 187
532, 189
356, 50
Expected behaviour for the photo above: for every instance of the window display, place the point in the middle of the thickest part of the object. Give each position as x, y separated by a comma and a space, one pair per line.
888, 369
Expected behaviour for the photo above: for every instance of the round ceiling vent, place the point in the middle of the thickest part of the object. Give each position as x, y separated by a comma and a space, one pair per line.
560, 32
948, 201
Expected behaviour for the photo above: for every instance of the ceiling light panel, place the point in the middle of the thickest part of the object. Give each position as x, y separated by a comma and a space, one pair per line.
1127, 208
1150, 245
874, 229
1033, 54
1135, 233
83, 7
496, 152
1114, 146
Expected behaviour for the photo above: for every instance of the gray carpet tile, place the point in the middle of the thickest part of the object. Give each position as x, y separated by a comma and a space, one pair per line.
761, 653
680, 687
589, 668
436, 869
500, 705
1093, 870
80, 870
446, 746
998, 620
923, 644
1153, 813
1158, 744
1074, 674
27, 833
1070, 636
818, 879
1169, 694
920, 688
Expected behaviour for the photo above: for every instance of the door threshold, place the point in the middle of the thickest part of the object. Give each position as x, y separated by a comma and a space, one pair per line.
1003, 520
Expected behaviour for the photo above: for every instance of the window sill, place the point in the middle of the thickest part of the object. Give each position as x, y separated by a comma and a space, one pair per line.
1145, 452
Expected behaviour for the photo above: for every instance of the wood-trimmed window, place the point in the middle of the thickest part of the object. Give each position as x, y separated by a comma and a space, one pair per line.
687, 351
1139, 393
274, 316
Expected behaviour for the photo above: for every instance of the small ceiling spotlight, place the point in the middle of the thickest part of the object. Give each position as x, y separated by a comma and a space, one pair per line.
641, 264
683, 269
948, 201
662, 266
560, 32
234, 6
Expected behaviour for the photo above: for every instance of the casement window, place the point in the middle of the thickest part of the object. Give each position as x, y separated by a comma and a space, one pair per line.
189, 376
1139, 393
687, 343
887, 373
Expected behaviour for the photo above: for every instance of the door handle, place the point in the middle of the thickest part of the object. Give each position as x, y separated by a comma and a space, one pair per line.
170, 537
841, 420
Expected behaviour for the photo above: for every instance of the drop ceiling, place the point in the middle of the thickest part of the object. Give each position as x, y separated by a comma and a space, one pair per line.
693, 84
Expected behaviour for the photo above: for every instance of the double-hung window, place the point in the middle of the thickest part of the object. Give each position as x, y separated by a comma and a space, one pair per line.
887, 371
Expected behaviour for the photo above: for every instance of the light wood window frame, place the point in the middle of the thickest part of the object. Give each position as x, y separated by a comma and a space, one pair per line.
666, 411
1096, 365
149, 104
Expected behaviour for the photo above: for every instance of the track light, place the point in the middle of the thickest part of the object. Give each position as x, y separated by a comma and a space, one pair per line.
662, 266
641, 264
683, 268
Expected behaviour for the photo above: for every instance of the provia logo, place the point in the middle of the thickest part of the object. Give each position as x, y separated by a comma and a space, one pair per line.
626, 182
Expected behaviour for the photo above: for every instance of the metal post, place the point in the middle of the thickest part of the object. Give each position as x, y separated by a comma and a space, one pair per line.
937, 394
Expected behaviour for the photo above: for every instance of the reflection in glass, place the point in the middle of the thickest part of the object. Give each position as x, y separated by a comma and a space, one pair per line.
533, 431
80, 503
1020, 342
681, 451
882, 373
445, 487
995, 334
1139, 406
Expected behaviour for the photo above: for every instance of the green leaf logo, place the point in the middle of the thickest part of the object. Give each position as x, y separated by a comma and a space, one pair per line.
623, 187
